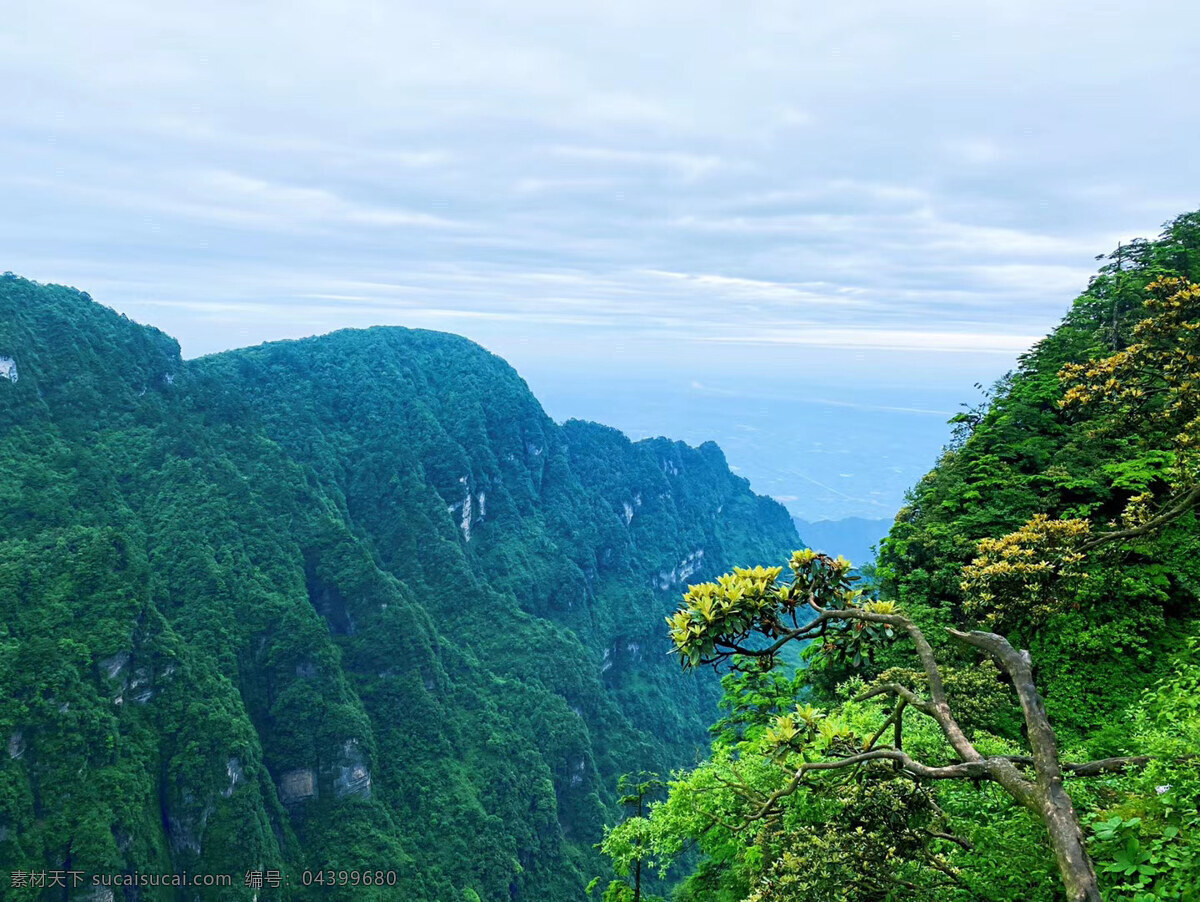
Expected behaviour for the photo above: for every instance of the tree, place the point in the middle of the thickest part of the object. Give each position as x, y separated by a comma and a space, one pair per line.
750, 615
1147, 392
1144, 398
636, 791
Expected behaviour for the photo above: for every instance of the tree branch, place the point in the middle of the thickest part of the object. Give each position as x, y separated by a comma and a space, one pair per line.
1090, 768
900, 690
893, 718
950, 837
979, 769
1186, 501
1046, 797
808, 631
938, 708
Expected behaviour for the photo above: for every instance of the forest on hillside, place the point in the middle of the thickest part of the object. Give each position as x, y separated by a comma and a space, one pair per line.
356, 605
599, 451
350, 605
1012, 713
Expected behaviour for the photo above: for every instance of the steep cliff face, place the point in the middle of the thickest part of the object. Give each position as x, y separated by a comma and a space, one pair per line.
353, 601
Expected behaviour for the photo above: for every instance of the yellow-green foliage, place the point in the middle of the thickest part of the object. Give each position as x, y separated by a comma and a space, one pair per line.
1019, 577
1062, 514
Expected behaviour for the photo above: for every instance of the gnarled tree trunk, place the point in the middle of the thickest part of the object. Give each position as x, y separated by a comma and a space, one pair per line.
1066, 839
1045, 796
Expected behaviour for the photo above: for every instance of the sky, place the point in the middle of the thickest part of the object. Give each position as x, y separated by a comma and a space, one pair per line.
803, 230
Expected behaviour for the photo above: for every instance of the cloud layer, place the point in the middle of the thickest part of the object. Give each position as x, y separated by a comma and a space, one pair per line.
845, 200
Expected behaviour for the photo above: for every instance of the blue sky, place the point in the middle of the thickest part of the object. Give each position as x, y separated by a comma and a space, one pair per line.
803, 230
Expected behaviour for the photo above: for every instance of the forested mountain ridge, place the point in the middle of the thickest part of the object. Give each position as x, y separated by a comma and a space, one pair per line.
1014, 715
1020, 453
353, 602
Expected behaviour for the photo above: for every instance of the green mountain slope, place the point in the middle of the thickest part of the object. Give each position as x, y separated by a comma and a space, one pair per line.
352, 602
1115, 651
1020, 454
842, 782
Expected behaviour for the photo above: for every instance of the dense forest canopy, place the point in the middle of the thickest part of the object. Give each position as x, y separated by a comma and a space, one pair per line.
351, 603
355, 604
1015, 715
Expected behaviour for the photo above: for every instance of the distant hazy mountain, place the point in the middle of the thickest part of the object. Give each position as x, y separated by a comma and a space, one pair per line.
851, 537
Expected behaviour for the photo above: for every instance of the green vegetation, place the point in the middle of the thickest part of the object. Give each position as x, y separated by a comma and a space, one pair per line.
355, 603
1061, 520
350, 603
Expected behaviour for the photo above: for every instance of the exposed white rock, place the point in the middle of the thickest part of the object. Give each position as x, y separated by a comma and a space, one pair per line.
628, 512
141, 683
114, 664
482, 505
690, 564
681, 571
466, 507
352, 777
233, 768
466, 517
16, 744
8, 369
297, 785
670, 468
578, 769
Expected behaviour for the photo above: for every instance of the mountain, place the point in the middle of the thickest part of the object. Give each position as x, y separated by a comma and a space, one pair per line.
851, 537
352, 603
1044, 582
1021, 453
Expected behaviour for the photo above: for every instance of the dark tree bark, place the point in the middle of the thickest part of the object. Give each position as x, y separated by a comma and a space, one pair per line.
1049, 798
1043, 794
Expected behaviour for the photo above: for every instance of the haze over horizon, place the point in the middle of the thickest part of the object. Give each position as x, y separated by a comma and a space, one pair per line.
803, 233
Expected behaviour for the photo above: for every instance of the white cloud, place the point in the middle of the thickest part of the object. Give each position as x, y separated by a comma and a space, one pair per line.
796, 297
232, 194
821, 196
888, 340
975, 151
686, 166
